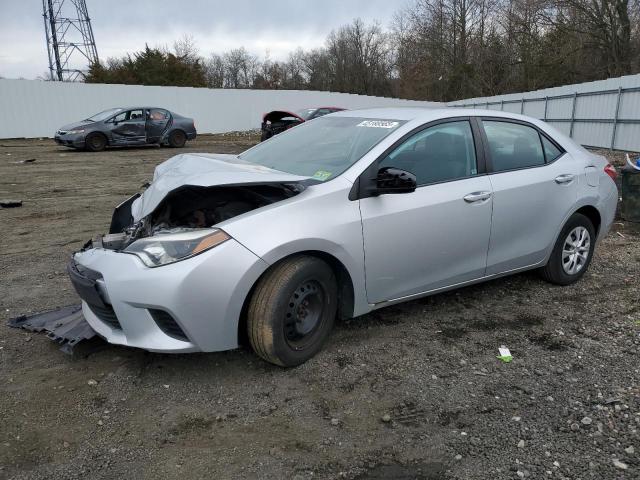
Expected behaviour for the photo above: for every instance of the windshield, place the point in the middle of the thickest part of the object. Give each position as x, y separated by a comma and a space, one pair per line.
98, 117
321, 149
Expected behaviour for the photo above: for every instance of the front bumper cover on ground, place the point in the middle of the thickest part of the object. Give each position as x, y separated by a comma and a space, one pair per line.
65, 326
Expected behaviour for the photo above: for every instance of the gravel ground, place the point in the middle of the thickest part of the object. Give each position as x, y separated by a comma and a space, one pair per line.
410, 391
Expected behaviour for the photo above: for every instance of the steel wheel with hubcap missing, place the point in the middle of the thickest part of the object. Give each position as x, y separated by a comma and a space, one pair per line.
304, 314
292, 309
575, 252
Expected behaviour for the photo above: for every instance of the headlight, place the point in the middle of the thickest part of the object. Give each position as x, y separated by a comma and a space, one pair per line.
163, 249
73, 132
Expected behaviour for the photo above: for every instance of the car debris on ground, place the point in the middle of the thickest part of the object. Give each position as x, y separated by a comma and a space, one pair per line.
505, 354
10, 203
65, 326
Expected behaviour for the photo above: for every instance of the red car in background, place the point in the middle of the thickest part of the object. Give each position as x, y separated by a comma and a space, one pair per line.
278, 121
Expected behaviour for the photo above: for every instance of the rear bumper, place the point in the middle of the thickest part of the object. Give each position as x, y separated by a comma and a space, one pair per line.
192, 305
608, 206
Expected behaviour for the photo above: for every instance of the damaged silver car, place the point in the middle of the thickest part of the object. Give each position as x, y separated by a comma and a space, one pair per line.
335, 218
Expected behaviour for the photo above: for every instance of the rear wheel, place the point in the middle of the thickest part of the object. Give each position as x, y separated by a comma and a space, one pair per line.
95, 142
177, 139
292, 311
572, 252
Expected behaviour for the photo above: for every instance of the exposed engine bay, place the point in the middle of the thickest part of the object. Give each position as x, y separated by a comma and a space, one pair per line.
191, 207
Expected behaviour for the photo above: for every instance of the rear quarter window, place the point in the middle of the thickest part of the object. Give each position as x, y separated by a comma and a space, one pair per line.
551, 152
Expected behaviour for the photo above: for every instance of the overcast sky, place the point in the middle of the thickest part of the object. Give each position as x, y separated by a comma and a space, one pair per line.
121, 26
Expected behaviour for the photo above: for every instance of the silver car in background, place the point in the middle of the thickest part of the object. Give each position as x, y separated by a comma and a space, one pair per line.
340, 216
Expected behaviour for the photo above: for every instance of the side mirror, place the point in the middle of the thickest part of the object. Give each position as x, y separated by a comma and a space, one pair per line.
395, 180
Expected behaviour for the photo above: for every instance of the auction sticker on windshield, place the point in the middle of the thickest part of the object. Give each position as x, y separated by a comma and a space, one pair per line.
378, 124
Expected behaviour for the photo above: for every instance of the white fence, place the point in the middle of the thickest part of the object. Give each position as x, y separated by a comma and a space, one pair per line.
603, 114
32, 108
600, 114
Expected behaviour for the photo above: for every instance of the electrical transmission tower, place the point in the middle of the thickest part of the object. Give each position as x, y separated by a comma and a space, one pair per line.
70, 43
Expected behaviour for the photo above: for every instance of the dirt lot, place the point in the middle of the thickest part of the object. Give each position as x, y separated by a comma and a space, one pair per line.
411, 391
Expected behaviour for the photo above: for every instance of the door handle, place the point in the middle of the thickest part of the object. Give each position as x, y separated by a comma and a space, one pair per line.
477, 197
565, 178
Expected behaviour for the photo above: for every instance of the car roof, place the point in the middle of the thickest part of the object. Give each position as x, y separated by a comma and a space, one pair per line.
426, 114
420, 115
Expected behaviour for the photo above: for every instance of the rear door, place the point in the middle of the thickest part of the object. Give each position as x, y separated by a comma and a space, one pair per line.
437, 235
128, 128
534, 185
158, 120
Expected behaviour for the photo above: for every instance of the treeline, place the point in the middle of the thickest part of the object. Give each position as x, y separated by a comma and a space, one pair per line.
433, 50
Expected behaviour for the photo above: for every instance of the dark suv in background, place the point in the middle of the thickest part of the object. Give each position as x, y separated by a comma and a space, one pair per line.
278, 121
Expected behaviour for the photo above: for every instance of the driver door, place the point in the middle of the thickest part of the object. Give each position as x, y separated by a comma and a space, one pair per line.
128, 128
157, 122
438, 235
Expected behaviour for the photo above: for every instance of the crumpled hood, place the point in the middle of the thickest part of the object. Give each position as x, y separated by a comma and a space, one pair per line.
204, 170
76, 125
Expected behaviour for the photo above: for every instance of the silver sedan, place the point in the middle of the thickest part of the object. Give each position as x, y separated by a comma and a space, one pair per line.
335, 218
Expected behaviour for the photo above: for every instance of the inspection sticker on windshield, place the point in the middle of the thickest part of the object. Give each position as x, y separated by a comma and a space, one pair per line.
378, 124
322, 175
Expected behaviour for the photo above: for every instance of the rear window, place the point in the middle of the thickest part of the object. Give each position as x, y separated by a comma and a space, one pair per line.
513, 146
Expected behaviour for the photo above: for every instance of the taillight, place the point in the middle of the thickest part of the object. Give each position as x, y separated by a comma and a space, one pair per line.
611, 171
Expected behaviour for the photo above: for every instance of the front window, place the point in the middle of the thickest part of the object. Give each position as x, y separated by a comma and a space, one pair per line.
129, 115
321, 149
437, 154
98, 117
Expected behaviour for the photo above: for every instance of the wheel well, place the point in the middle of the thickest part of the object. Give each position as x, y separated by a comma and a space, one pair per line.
592, 214
106, 139
345, 289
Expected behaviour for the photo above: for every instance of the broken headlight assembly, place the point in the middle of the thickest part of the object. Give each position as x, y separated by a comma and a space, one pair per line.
166, 248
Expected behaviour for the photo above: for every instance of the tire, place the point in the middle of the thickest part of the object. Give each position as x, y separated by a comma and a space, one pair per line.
559, 268
292, 310
95, 142
177, 139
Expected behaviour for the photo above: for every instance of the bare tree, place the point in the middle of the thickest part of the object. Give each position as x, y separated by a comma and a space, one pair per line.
434, 49
215, 71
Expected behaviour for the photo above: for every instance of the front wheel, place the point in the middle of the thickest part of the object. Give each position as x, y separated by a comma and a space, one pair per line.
572, 252
95, 142
292, 311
